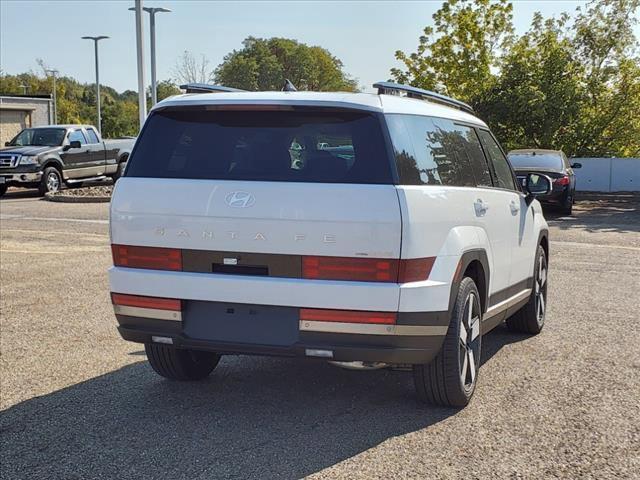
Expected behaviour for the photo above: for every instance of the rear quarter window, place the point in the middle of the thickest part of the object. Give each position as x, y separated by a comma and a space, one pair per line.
436, 151
296, 145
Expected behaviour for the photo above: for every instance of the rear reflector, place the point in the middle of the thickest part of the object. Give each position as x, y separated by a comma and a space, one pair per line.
147, 257
146, 302
347, 316
367, 269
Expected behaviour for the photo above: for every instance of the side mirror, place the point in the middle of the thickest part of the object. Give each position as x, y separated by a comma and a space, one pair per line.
536, 185
73, 144
576, 165
7, 144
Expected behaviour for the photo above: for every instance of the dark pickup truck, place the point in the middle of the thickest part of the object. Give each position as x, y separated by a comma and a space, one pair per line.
46, 157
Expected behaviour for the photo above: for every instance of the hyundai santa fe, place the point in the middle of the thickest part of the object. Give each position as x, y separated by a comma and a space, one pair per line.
369, 230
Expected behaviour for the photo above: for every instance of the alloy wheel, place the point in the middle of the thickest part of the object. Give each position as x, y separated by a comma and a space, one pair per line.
540, 287
469, 344
53, 182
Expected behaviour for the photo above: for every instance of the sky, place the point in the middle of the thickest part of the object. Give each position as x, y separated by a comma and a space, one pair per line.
363, 34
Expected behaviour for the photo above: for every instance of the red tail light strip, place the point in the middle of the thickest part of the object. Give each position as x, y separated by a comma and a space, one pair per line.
147, 307
147, 257
347, 316
367, 269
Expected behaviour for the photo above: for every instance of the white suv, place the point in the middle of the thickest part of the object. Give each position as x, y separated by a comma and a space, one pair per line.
400, 242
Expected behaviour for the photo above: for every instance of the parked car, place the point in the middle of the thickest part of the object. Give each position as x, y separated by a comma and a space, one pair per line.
555, 165
46, 157
405, 253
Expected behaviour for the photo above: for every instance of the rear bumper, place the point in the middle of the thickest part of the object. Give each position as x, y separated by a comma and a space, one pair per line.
229, 328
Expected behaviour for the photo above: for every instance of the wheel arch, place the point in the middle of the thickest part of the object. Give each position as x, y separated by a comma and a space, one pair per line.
52, 162
474, 264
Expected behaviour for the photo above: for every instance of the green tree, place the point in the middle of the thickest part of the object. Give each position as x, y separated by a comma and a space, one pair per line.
263, 64
456, 56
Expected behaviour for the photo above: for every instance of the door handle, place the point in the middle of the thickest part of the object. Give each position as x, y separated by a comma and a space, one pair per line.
480, 207
515, 208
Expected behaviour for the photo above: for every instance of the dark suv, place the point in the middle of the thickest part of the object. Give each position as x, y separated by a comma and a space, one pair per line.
555, 165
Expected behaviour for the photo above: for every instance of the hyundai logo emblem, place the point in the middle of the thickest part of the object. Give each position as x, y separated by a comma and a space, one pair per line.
240, 199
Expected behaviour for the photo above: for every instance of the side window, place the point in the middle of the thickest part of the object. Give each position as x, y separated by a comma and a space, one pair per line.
93, 137
504, 177
77, 135
436, 151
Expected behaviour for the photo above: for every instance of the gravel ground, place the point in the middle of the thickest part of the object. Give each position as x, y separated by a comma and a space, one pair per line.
78, 402
93, 191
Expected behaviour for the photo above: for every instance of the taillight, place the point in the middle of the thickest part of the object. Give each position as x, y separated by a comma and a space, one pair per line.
561, 181
146, 302
415, 269
367, 269
345, 268
147, 257
347, 316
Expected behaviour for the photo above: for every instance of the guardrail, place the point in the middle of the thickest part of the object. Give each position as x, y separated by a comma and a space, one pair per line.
607, 174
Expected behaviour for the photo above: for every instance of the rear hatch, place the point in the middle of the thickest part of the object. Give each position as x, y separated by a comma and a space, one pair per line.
252, 190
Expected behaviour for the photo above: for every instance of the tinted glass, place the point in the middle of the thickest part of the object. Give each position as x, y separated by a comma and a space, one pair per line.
501, 169
49, 137
302, 145
550, 161
93, 137
77, 135
435, 151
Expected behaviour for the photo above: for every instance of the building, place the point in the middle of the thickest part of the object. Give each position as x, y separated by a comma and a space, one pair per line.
22, 111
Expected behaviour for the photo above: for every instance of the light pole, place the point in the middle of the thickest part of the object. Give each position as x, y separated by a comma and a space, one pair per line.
53, 73
142, 101
152, 27
95, 44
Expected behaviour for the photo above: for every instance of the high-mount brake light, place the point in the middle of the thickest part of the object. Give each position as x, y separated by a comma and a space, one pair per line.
347, 316
367, 269
140, 301
147, 257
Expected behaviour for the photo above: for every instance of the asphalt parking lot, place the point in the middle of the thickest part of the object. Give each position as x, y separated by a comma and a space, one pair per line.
78, 402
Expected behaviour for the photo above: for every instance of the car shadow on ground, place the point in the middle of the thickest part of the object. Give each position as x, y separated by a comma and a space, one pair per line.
600, 212
253, 418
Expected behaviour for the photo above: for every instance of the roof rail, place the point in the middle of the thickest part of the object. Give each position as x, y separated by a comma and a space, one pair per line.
207, 88
390, 88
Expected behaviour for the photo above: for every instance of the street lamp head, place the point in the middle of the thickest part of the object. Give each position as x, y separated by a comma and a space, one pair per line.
99, 37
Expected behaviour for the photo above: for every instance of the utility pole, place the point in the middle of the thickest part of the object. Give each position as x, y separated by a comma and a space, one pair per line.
95, 44
142, 101
152, 27
54, 73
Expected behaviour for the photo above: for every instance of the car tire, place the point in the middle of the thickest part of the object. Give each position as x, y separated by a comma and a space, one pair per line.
177, 364
51, 181
3, 189
450, 379
121, 166
530, 318
566, 208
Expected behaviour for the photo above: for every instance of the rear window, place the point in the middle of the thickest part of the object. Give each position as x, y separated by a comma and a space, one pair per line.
297, 145
552, 161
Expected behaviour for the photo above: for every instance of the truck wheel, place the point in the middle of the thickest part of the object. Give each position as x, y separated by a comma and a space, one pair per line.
450, 379
3, 189
179, 364
119, 171
530, 318
51, 181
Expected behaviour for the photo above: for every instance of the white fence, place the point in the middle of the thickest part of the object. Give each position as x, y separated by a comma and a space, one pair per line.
607, 174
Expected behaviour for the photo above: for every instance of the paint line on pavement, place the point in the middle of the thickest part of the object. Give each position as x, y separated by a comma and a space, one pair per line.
593, 245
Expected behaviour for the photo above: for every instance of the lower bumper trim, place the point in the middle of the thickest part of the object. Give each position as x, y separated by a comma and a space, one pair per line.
372, 329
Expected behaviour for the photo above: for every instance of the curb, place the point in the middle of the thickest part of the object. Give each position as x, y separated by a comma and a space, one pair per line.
76, 198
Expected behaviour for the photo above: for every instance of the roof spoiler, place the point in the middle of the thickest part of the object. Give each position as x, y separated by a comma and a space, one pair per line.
390, 88
207, 88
